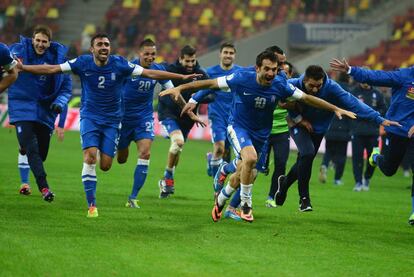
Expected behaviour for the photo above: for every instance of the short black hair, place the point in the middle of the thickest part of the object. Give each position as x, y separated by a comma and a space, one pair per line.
43, 29
266, 55
275, 49
290, 67
315, 72
187, 50
98, 35
147, 42
227, 45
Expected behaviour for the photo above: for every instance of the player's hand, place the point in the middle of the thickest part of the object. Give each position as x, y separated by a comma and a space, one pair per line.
60, 132
56, 108
188, 108
306, 124
387, 122
411, 132
382, 131
338, 65
196, 119
174, 92
193, 76
340, 112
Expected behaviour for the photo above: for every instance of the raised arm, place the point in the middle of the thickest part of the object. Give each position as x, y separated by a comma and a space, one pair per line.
165, 75
322, 104
43, 69
197, 85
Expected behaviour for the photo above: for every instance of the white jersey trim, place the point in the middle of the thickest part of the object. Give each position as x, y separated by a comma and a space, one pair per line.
297, 94
168, 85
65, 67
137, 70
10, 66
222, 83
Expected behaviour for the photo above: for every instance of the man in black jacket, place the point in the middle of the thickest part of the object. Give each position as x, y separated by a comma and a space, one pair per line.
169, 112
365, 135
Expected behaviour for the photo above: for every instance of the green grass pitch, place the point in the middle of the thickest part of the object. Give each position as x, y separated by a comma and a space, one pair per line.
347, 234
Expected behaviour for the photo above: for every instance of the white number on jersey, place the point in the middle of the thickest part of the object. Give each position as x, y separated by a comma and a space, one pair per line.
260, 102
144, 85
101, 80
149, 126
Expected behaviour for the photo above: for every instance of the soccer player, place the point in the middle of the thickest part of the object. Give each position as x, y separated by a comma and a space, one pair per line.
399, 139
256, 96
169, 111
219, 109
8, 69
34, 103
365, 135
316, 82
102, 76
138, 118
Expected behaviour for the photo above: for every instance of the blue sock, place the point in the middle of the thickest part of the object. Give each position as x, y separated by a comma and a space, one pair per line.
235, 200
214, 164
140, 174
89, 183
230, 167
24, 168
412, 202
169, 173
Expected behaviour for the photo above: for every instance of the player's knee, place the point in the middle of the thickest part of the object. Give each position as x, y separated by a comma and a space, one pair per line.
105, 166
145, 155
177, 143
90, 159
219, 151
250, 160
121, 159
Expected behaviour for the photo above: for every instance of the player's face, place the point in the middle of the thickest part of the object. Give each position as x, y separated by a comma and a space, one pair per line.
227, 56
101, 49
312, 86
40, 43
267, 72
188, 62
147, 55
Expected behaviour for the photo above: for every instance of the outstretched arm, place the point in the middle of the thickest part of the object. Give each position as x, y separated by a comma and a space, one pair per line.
193, 86
322, 104
43, 69
165, 75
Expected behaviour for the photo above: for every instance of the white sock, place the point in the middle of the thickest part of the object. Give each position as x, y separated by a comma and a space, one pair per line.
224, 195
246, 194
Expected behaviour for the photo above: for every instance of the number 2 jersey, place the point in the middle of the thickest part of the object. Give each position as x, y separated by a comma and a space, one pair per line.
101, 99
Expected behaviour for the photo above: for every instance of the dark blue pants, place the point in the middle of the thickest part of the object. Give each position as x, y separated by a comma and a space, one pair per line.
335, 151
359, 143
280, 145
308, 145
34, 140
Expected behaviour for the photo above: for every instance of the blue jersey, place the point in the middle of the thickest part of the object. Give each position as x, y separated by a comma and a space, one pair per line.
333, 93
223, 100
6, 59
402, 101
101, 99
253, 104
138, 93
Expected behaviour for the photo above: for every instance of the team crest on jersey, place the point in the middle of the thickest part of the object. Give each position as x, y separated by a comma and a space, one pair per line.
229, 77
410, 93
73, 60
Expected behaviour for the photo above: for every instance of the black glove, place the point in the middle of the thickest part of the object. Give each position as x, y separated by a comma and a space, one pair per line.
56, 108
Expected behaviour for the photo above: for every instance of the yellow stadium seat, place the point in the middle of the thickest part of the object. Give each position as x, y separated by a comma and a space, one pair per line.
407, 27
378, 66
150, 36
204, 21
207, 12
260, 15
194, 2
246, 22
131, 4
238, 14
397, 35
265, 3
371, 59
159, 59
254, 3
364, 5
176, 12
52, 13
89, 29
11, 10
411, 60
174, 33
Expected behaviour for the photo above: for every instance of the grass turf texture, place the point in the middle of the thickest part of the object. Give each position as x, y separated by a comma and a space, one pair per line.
348, 234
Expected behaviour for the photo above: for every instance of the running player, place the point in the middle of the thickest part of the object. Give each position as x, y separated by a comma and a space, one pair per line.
7, 68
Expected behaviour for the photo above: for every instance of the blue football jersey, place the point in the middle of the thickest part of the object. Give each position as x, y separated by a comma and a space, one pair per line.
222, 105
102, 86
253, 104
138, 93
6, 60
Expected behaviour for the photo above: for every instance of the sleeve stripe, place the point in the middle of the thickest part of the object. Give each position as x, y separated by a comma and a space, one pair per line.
65, 67
297, 94
222, 83
137, 70
168, 85
10, 65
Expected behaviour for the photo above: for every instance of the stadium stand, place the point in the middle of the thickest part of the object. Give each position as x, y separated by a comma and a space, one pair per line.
395, 52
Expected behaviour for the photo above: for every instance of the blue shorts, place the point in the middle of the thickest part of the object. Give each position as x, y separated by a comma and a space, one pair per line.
136, 131
240, 138
218, 128
171, 125
104, 137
